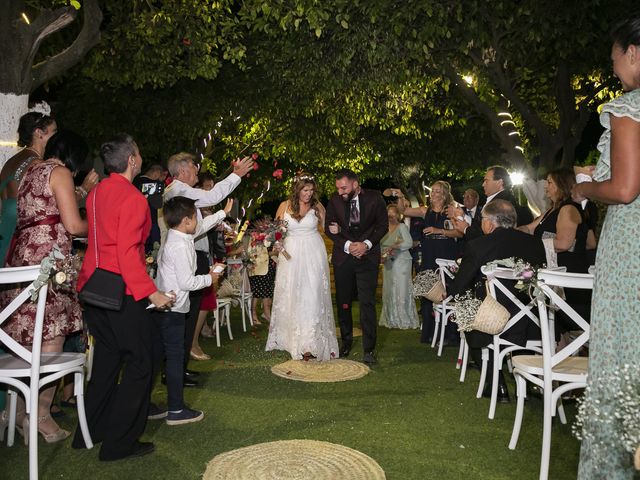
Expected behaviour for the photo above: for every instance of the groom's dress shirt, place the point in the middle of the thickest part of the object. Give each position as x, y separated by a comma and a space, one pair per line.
203, 198
348, 242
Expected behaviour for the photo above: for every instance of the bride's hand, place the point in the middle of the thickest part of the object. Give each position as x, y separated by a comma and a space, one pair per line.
334, 228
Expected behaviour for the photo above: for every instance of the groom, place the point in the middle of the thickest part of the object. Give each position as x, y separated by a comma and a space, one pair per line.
356, 221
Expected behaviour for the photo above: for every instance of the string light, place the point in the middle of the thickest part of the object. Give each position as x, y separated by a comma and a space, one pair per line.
8, 143
26, 19
506, 122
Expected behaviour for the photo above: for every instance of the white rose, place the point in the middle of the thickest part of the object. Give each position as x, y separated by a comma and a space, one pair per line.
60, 278
267, 243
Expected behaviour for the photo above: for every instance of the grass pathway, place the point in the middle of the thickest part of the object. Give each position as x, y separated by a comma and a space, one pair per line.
410, 414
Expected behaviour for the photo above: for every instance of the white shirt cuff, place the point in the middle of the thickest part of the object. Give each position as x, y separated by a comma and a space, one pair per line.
368, 243
347, 244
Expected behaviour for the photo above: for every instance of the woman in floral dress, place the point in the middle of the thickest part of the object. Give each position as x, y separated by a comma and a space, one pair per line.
47, 215
614, 339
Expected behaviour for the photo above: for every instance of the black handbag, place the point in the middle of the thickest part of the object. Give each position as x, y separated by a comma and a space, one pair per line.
104, 289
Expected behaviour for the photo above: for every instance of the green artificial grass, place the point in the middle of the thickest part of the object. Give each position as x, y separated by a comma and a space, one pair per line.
410, 414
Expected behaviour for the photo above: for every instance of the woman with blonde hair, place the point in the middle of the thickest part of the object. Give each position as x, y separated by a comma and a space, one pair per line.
302, 313
438, 241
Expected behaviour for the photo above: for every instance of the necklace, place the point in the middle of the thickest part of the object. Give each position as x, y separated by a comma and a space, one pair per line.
34, 151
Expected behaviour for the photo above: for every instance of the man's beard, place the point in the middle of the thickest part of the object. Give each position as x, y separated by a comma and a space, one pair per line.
349, 196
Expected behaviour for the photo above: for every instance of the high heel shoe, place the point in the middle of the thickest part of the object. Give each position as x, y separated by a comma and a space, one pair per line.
199, 356
52, 437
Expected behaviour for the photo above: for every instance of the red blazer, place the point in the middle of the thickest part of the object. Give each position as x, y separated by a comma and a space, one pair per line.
123, 223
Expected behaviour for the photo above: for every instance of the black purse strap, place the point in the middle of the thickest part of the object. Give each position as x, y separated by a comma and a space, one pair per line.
95, 235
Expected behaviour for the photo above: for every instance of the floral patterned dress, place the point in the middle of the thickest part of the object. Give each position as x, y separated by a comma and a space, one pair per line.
614, 339
34, 239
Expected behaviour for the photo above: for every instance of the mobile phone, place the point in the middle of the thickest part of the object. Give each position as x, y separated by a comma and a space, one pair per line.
218, 269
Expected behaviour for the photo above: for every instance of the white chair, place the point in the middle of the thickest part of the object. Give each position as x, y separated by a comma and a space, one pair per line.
562, 368
444, 309
27, 371
245, 298
501, 347
222, 315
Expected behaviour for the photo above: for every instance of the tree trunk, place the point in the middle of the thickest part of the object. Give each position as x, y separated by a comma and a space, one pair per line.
13, 107
19, 44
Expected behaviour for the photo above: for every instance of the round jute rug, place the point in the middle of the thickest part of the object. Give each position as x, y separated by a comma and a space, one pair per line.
338, 370
293, 460
356, 332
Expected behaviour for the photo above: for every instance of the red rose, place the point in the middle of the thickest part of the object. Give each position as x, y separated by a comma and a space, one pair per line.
254, 156
186, 42
256, 166
278, 236
277, 174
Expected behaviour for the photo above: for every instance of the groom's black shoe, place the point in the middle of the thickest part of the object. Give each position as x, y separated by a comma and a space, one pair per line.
369, 358
345, 351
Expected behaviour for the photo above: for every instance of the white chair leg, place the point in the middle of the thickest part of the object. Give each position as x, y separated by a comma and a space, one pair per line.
546, 433
242, 309
216, 324
509, 364
32, 405
561, 415
226, 313
521, 392
494, 383
483, 372
465, 358
443, 325
460, 352
436, 324
12, 407
82, 416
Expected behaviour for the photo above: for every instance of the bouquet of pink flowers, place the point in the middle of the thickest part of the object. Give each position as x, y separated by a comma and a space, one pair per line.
270, 233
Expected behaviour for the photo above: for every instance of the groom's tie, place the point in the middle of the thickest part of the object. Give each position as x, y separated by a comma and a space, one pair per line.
354, 213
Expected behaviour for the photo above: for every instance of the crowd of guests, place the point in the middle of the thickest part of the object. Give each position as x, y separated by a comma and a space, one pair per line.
40, 198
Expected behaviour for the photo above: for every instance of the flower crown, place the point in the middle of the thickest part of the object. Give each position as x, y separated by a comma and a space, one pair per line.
299, 178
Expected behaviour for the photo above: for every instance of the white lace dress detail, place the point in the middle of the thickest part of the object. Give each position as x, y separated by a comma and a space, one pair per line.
302, 312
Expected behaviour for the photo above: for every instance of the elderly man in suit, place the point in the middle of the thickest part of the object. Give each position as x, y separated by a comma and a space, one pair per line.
497, 186
500, 240
356, 221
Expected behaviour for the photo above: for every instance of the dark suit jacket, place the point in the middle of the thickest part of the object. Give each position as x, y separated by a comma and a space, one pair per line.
524, 215
374, 224
499, 244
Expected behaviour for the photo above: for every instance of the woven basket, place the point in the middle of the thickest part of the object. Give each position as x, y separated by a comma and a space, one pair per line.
492, 317
436, 293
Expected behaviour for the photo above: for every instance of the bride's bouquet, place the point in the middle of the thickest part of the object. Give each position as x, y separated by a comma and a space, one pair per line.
270, 233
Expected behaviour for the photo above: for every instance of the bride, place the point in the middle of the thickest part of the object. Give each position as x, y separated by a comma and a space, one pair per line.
302, 313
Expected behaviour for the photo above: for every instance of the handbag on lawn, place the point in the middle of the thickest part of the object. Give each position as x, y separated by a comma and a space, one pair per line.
104, 289
492, 317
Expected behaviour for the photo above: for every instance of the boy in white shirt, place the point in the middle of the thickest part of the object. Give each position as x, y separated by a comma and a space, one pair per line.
176, 273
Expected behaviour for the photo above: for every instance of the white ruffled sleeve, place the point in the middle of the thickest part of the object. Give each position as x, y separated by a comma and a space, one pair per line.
627, 105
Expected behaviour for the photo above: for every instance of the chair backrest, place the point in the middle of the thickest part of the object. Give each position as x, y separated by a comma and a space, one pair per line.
21, 275
547, 280
496, 277
444, 271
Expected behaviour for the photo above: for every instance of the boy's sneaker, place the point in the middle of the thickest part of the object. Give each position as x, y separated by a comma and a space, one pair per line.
186, 415
155, 412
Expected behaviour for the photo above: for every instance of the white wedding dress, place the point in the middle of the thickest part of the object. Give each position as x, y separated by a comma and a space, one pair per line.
302, 312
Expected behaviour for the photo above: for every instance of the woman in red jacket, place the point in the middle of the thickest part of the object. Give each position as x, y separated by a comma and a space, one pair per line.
117, 397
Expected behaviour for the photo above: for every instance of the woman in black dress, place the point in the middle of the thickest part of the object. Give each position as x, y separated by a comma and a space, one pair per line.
569, 227
438, 242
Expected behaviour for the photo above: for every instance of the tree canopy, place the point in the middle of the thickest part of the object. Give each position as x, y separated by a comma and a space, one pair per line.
422, 89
